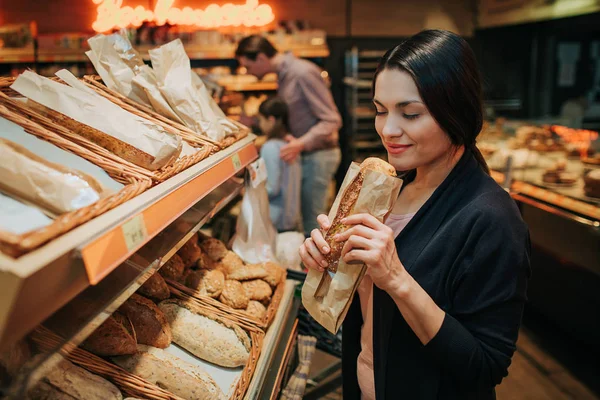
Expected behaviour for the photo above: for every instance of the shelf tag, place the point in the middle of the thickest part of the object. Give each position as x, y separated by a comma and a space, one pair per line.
258, 172
134, 232
237, 163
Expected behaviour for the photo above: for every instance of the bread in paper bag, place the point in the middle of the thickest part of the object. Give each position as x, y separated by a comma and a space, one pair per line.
114, 58
328, 295
145, 79
51, 186
174, 74
90, 115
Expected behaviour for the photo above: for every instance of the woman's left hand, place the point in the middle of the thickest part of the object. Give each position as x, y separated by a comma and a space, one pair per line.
372, 243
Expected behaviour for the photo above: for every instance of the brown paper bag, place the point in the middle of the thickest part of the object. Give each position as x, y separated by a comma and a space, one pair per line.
377, 197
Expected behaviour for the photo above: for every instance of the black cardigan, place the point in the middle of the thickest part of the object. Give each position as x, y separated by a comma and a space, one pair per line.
468, 247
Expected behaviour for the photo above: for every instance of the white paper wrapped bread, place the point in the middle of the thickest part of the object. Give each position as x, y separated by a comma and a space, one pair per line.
207, 336
51, 186
95, 118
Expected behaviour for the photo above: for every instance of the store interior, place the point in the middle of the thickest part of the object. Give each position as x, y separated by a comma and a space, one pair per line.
79, 271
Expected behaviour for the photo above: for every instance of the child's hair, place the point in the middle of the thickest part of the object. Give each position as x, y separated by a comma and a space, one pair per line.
277, 108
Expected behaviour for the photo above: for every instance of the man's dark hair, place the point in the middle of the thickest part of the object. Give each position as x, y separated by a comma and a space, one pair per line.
250, 46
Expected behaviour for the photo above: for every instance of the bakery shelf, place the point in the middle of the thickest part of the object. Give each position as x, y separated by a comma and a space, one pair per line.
250, 87
10, 56
76, 320
226, 52
37, 284
277, 347
61, 55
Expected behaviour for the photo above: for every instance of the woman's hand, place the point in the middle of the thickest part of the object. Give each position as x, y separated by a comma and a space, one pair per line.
371, 242
313, 248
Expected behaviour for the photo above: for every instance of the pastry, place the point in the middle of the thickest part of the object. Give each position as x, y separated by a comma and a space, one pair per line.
256, 309
207, 282
258, 290
148, 321
173, 268
233, 295
592, 183
214, 248
207, 336
275, 273
189, 253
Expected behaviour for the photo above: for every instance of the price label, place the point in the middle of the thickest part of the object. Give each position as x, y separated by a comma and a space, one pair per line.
134, 232
237, 163
258, 172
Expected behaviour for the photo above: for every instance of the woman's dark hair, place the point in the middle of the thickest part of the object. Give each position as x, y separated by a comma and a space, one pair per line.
277, 108
444, 69
250, 46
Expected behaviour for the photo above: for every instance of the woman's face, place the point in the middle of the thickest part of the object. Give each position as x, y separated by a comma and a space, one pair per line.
410, 134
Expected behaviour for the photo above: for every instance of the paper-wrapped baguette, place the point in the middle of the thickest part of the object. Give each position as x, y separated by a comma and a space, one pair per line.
130, 137
207, 336
48, 185
347, 205
171, 373
67, 381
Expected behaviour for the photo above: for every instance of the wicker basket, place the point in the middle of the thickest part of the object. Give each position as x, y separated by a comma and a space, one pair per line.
182, 291
135, 183
135, 386
205, 148
94, 81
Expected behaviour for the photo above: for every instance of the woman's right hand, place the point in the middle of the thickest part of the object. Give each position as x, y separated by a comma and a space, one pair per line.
313, 248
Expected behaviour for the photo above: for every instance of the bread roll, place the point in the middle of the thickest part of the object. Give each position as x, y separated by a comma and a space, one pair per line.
205, 262
346, 207
48, 185
215, 249
67, 381
248, 272
149, 322
207, 282
275, 273
115, 336
233, 295
155, 287
173, 268
258, 290
171, 373
256, 309
190, 253
229, 263
206, 335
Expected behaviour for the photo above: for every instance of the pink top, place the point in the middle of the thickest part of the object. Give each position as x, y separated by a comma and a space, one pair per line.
366, 377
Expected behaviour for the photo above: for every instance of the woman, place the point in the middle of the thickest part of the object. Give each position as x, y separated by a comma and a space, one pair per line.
438, 312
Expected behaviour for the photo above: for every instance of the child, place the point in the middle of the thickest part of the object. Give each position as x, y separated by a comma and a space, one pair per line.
284, 180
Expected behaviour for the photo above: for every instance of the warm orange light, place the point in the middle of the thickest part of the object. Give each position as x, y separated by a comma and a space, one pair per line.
580, 138
112, 15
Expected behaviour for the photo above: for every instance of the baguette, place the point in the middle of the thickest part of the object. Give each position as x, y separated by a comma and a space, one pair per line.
346, 207
51, 186
118, 147
171, 373
116, 336
67, 381
148, 320
206, 335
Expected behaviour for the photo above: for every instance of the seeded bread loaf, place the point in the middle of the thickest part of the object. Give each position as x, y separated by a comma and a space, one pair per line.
206, 335
171, 373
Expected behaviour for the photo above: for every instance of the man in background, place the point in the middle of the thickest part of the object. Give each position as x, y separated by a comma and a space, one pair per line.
314, 120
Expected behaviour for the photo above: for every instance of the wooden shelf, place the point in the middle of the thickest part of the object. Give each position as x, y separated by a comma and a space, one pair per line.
61, 55
41, 282
17, 56
228, 52
250, 87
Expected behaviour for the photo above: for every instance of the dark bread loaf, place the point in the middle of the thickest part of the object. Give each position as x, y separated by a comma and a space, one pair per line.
148, 320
